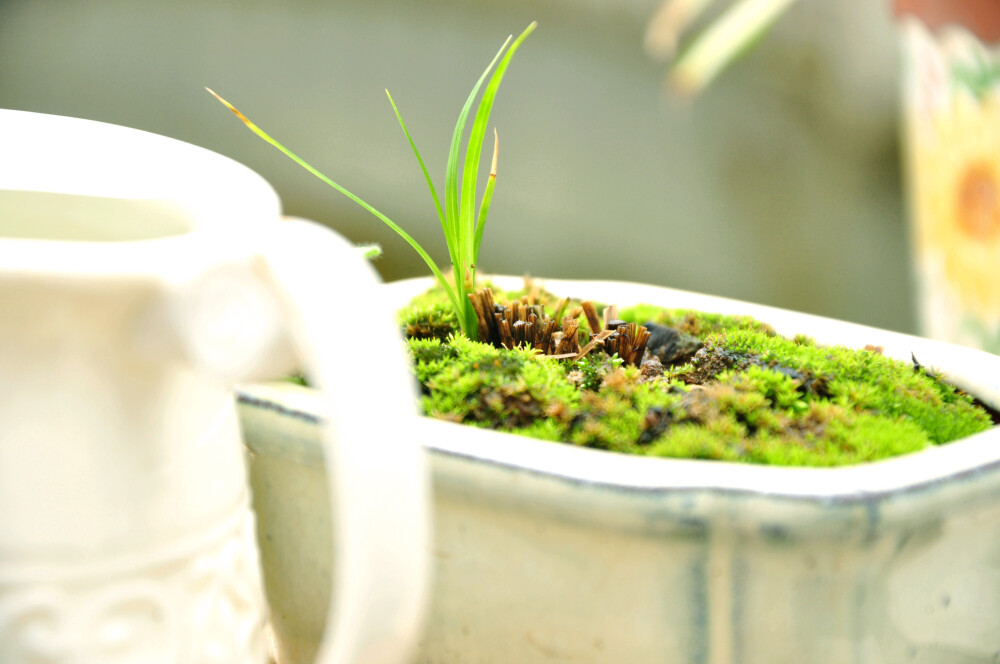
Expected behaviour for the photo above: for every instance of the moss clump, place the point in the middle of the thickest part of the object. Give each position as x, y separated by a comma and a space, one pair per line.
747, 395
696, 323
589, 372
867, 381
436, 321
472, 382
760, 415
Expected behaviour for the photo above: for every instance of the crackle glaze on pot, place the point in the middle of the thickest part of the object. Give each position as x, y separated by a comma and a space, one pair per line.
552, 553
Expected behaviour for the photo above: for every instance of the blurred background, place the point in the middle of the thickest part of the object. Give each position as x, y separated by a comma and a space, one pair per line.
778, 185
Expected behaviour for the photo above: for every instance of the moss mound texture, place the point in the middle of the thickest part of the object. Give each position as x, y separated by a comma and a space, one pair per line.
746, 394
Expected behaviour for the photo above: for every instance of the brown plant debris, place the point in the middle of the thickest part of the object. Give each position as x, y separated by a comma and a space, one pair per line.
628, 340
592, 320
524, 323
595, 341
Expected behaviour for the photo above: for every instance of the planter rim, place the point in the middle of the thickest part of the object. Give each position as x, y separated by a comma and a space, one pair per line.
976, 458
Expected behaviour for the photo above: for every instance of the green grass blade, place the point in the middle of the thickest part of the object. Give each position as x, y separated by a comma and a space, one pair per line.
388, 222
477, 134
416, 153
484, 206
451, 178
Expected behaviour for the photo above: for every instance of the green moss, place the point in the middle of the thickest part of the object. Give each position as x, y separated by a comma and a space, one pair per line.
615, 416
478, 384
748, 395
698, 323
871, 382
760, 416
589, 372
430, 357
436, 320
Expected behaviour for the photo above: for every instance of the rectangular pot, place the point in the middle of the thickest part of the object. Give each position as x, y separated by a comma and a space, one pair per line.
553, 553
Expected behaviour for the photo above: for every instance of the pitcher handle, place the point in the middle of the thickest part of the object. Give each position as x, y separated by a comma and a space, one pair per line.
349, 344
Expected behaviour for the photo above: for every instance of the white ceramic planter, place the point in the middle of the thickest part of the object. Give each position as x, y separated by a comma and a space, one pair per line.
547, 552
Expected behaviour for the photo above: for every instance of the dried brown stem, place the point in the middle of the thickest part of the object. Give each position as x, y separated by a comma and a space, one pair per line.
595, 341
524, 323
591, 313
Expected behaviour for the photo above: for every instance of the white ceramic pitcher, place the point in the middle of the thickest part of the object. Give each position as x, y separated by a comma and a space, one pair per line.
140, 277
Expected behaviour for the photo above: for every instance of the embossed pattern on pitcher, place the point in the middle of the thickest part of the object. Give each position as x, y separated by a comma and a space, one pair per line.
199, 603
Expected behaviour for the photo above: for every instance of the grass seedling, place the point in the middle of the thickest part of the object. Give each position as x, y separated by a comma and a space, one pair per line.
462, 224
